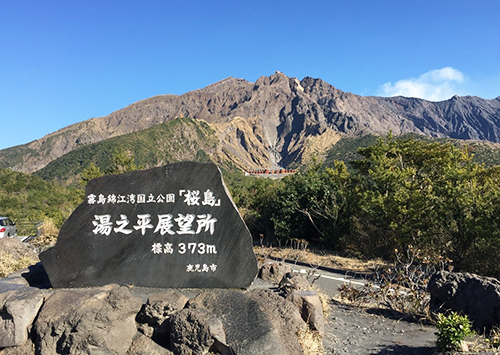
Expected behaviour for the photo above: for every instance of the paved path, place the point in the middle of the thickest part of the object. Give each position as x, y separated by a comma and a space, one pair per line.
328, 280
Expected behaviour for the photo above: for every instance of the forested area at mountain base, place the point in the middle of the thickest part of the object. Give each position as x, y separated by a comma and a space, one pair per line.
399, 192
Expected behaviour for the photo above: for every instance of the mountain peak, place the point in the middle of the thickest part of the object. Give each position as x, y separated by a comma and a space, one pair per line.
272, 120
223, 84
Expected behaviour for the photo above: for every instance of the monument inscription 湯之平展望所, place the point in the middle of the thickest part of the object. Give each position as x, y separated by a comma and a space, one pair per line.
173, 226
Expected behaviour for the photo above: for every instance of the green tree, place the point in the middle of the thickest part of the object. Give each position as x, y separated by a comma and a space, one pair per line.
123, 161
307, 205
90, 173
429, 195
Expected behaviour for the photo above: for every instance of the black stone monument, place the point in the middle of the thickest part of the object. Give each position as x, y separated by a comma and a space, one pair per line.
173, 226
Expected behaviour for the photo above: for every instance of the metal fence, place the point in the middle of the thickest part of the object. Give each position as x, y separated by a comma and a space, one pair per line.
27, 230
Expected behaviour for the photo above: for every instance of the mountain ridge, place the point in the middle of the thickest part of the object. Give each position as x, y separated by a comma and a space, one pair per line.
269, 122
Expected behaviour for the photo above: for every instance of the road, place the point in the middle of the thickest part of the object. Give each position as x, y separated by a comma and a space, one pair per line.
328, 280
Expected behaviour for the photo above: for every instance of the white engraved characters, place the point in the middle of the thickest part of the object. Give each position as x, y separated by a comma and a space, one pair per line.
103, 224
191, 198
158, 248
184, 225
209, 199
165, 224
201, 268
143, 223
122, 223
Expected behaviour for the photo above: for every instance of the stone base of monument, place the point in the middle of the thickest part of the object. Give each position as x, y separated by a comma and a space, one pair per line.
113, 319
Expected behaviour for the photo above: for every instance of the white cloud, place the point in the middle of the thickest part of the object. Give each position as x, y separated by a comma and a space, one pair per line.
435, 85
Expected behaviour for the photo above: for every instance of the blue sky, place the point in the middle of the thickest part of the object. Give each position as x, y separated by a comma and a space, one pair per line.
63, 62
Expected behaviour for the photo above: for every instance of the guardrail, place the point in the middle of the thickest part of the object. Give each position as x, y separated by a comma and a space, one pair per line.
27, 230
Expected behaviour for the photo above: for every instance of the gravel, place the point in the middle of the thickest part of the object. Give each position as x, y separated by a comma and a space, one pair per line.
354, 330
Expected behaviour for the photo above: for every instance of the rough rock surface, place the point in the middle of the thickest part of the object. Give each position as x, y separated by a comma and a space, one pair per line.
18, 309
143, 345
273, 271
26, 349
255, 322
195, 331
292, 282
92, 321
310, 308
476, 296
158, 308
13, 282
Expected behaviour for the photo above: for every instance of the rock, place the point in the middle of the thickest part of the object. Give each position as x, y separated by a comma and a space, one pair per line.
142, 345
18, 309
13, 282
255, 322
310, 308
26, 349
292, 282
87, 321
160, 306
34, 276
16, 248
196, 331
274, 271
171, 227
475, 296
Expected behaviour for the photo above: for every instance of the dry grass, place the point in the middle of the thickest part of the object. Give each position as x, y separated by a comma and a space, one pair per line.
325, 301
48, 237
317, 258
10, 263
311, 342
49, 228
43, 242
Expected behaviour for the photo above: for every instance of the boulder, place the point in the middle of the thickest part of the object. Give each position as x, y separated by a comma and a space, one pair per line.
310, 308
475, 296
292, 282
16, 248
174, 226
102, 320
18, 309
87, 321
196, 331
255, 322
158, 308
274, 271
142, 345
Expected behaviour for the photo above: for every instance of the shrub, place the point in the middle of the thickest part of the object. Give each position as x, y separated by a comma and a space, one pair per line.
452, 330
401, 287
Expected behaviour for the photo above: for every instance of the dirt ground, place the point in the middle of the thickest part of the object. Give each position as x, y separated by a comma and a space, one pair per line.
360, 331
353, 330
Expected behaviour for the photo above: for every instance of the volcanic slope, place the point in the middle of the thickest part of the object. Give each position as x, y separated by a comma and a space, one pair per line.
274, 121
